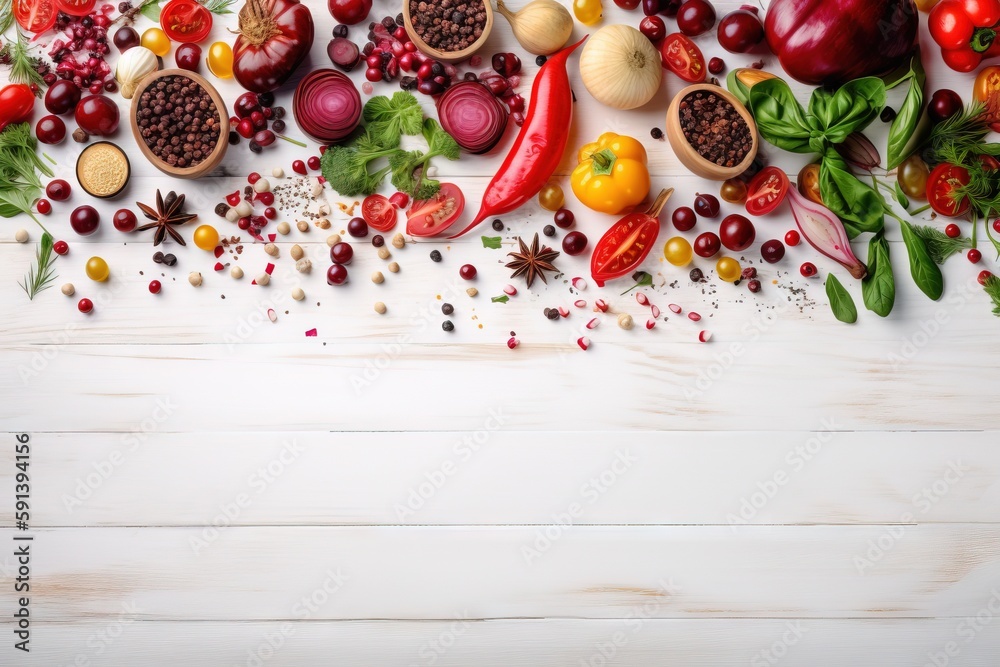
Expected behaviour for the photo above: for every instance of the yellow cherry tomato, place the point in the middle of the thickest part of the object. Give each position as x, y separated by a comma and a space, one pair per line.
551, 196
734, 191
678, 251
912, 177
587, 12
611, 176
809, 183
156, 41
728, 269
206, 238
220, 60
986, 89
97, 269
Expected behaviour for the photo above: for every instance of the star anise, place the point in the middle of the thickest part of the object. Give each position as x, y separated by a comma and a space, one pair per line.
532, 262
167, 215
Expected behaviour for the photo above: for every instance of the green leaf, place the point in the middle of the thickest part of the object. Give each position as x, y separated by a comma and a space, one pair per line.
218, 6
841, 302
439, 142
642, 279
851, 109
939, 245
151, 11
779, 116
738, 88
491, 242
503, 298
389, 119
926, 274
878, 288
41, 274
906, 131
900, 197
859, 206
992, 289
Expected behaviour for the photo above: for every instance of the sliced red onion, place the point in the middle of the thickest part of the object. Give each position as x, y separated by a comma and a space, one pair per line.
326, 105
825, 232
472, 115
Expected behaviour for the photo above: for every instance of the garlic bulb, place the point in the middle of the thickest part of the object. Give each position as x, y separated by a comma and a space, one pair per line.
542, 27
620, 67
133, 65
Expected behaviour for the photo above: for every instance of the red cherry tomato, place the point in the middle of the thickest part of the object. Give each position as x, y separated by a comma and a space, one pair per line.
76, 7
185, 21
736, 232
379, 212
767, 189
683, 57
943, 180
35, 15
623, 247
430, 217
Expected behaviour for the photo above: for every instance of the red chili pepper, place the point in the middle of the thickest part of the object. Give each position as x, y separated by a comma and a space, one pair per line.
539, 146
966, 31
16, 104
627, 243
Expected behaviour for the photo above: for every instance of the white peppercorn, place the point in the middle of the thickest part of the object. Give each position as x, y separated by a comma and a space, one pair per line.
298, 293
195, 278
296, 252
378, 278
263, 279
236, 272
68, 289
271, 249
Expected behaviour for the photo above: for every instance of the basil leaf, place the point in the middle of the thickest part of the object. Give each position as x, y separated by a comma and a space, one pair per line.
492, 242
859, 207
878, 289
906, 130
151, 11
851, 109
926, 274
738, 88
779, 116
503, 298
900, 197
841, 302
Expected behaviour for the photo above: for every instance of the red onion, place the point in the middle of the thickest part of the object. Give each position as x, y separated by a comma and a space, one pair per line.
472, 115
326, 105
824, 231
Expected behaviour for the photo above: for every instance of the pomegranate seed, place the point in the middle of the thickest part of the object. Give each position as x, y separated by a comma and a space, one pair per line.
580, 303
953, 231
974, 256
705, 336
642, 299
579, 284
563, 311
675, 309
154, 286
583, 342
513, 342
313, 163
86, 305
654, 311
510, 290
694, 317
593, 323
983, 277
219, 266
253, 177
650, 323
601, 305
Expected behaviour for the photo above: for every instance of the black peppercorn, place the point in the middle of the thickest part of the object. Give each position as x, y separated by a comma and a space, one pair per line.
435, 255
158, 257
552, 313
696, 275
540, 60
888, 115
448, 325
169, 259
549, 230
378, 241
221, 210
497, 225
340, 30
656, 133
447, 308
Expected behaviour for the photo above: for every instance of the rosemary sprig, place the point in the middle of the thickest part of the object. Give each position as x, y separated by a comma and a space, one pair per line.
22, 64
6, 15
992, 289
960, 136
940, 246
41, 274
218, 6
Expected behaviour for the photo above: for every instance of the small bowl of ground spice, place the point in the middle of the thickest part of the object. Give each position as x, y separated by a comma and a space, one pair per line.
448, 30
103, 170
711, 132
180, 123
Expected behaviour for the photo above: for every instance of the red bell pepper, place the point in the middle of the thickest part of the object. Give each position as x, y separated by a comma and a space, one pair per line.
966, 31
539, 146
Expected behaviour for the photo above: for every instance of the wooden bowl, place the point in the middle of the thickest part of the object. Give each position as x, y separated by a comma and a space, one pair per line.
209, 163
686, 153
448, 56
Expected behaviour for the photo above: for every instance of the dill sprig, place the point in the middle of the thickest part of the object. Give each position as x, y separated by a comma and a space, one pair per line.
940, 246
955, 139
22, 63
218, 6
6, 15
992, 289
42, 273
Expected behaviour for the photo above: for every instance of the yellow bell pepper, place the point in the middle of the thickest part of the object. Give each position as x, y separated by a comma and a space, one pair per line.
611, 176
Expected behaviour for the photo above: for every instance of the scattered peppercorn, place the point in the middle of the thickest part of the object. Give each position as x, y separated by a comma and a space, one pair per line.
696, 275
552, 313
540, 60
448, 325
378, 241
656, 133
549, 230
221, 210
435, 255
498, 225
447, 308
888, 115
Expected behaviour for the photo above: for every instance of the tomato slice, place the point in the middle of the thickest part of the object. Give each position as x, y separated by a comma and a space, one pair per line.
430, 217
76, 7
683, 57
35, 15
623, 247
379, 212
185, 21
766, 191
942, 182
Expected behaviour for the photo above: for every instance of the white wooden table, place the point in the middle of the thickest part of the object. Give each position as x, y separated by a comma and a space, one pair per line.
210, 488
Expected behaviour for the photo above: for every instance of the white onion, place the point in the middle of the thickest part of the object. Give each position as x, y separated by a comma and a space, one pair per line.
620, 67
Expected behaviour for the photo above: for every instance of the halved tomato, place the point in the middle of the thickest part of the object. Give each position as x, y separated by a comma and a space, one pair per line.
379, 212
943, 181
430, 217
35, 15
683, 57
623, 247
76, 7
766, 191
186, 21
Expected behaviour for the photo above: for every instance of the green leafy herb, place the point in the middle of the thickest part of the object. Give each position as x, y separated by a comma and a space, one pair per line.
642, 279
925, 272
20, 184
503, 298
909, 125
388, 119
151, 10
841, 302
992, 289
779, 116
41, 274
954, 140
851, 109
409, 167
856, 203
22, 63
491, 242
6, 15
346, 167
939, 245
878, 289
218, 6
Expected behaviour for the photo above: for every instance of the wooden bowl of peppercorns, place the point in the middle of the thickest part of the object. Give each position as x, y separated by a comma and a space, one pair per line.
711, 132
464, 26
180, 123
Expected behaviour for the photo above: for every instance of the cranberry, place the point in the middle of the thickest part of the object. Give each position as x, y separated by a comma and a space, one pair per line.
716, 65
270, 213
234, 199
564, 218
43, 206
653, 28
749, 273
60, 247
792, 238
336, 274
707, 206
265, 198
974, 256
772, 251
154, 286
808, 269
50, 130
313, 163
85, 306
996, 225
253, 177
246, 104
574, 243
245, 128
707, 244
684, 219
357, 227
953, 231
983, 277
58, 190
468, 272
124, 220
299, 167
342, 253
754, 286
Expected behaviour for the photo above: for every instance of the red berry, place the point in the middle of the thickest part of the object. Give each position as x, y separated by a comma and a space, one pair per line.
314, 163
85, 305
953, 231
468, 271
342, 253
60, 247
124, 220
792, 238
808, 269
772, 251
684, 218
234, 199
299, 167
270, 213
43, 206
564, 218
716, 65
996, 225
357, 227
974, 256
574, 243
983, 277
336, 274
253, 177
154, 286
58, 190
